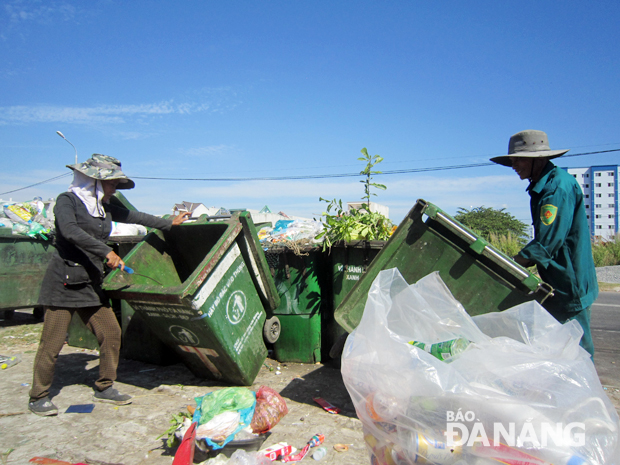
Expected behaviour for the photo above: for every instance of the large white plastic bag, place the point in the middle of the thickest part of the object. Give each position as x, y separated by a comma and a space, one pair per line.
523, 369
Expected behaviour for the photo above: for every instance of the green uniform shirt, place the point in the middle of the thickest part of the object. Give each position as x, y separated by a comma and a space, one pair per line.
561, 249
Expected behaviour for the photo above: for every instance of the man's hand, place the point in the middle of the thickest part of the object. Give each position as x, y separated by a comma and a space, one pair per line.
524, 262
180, 218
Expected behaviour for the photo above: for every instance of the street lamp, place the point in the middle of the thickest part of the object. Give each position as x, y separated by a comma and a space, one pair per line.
63, 136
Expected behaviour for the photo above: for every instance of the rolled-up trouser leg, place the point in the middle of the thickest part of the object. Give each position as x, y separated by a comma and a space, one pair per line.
53, 338
104, 325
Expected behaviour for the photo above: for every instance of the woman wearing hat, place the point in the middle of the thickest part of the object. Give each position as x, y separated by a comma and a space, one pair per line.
561, 248
72, 282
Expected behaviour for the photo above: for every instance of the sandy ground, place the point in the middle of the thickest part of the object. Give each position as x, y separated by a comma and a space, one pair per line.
128, 435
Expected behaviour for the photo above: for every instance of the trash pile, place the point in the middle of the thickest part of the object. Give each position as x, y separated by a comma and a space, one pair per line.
285, 232
228, 419
34, 219
431, 384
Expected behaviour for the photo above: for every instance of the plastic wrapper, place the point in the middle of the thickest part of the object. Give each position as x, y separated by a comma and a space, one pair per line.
270, 408
18, 214
522, 392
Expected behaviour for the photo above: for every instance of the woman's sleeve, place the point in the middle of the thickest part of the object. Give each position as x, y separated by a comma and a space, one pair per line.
122, 215
66, 221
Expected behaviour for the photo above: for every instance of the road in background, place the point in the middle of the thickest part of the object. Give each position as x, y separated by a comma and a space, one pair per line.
605, 327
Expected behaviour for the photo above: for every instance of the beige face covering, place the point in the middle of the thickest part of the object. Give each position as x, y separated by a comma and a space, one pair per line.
90, 192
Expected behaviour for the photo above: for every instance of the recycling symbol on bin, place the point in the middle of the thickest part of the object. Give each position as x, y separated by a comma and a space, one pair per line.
184, 335
235, 308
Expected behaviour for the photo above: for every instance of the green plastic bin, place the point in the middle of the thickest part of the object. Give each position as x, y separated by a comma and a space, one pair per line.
204, 289
479, 276
300, 313
23, 262
347, 264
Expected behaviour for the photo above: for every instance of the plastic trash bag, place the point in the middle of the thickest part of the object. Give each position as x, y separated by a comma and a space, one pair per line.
239, 457
521, 392
220, 427
127, 229
270, 408
239, 402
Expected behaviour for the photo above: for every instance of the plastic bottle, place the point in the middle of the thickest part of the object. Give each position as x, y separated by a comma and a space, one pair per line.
444, 350
319, 453
382, 407
36, 229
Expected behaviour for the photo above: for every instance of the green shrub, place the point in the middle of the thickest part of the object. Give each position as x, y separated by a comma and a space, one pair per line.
356, 224
508, 244
606, 253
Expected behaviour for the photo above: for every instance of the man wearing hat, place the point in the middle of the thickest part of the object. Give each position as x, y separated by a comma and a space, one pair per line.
561, 248
72, 282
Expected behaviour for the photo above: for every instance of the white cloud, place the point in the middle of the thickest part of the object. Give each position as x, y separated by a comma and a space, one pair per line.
301, 198
41, 12
109, 114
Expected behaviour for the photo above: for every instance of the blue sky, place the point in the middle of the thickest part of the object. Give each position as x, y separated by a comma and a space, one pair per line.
236, 89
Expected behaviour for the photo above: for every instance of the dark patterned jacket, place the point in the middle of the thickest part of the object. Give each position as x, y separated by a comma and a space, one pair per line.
75, 273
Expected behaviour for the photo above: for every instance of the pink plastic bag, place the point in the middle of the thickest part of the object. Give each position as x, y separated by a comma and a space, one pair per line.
270, 408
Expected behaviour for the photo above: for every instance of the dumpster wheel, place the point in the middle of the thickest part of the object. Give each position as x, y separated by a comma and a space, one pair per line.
271, 330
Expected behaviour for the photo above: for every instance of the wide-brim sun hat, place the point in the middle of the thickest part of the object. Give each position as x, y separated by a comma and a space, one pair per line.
104, 167
528, 144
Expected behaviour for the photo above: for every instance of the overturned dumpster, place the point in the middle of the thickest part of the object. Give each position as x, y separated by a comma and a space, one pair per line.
482, 278
205, 290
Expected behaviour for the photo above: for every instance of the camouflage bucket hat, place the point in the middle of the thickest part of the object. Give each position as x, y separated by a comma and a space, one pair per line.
104, 167
528, 144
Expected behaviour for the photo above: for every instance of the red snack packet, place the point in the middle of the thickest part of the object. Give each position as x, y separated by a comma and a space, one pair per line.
326, 405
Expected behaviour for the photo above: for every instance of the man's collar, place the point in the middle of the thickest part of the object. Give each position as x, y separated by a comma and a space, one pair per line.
537, 186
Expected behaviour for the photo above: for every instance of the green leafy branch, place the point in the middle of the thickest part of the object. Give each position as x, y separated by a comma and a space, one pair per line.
356, 224
367, 171
175, 422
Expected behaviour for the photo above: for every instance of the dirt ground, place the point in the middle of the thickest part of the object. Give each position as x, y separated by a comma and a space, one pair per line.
128, 434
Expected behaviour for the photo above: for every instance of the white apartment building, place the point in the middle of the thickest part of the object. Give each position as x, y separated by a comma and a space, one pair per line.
600, 192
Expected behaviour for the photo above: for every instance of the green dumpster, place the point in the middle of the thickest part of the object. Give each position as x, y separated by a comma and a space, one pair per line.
300, 313
347, 262
204, 289
479, 276
23, 261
